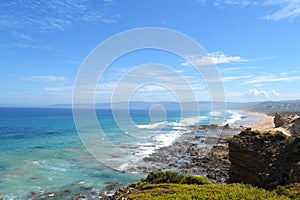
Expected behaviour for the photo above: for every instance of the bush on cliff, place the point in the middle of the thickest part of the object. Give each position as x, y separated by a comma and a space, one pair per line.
164, 177
172, 185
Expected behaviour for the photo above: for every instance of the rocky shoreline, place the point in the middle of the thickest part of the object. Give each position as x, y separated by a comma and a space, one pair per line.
195, 156
194, 153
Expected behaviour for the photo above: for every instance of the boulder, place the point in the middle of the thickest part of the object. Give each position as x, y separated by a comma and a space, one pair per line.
79, 197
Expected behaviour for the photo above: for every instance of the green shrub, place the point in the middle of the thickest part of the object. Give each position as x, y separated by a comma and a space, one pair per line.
292, 191
164, 177
176, 186
191, 179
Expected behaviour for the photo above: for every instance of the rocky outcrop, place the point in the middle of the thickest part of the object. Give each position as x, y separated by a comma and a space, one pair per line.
279, 120
264, 159
289, 123
295, 127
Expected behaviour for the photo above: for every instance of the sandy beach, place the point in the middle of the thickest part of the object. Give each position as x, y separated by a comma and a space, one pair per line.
265, 123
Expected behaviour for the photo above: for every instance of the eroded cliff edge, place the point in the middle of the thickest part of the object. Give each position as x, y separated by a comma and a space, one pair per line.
264, 159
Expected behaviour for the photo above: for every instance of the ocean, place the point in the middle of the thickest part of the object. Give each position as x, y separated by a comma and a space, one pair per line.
41, 151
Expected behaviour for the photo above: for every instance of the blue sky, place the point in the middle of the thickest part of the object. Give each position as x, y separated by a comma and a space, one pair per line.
254, 44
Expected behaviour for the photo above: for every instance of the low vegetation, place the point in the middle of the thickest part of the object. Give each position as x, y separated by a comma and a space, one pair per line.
172, 185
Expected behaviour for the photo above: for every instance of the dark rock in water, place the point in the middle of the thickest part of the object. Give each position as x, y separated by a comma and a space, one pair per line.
31, 194
99, 193
264, 159
111, 186
226, 126
79, 197
63, 194
89, 188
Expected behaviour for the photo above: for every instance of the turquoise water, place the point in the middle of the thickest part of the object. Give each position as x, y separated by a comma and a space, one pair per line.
40, 150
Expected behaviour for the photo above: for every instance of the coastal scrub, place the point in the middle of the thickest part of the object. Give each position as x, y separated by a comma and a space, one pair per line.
172, 185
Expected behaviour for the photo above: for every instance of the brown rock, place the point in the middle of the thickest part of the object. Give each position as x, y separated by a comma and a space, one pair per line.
79, 196
296, 127
279, 120
264, 159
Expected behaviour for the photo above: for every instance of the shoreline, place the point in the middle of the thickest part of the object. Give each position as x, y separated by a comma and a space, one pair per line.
206, 155
265, 123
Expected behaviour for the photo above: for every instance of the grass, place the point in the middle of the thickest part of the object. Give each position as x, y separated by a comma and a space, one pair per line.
169, 191
178, 186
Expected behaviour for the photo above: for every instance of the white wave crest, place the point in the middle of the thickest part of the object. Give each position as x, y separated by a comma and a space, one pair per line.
151, 126
235, 116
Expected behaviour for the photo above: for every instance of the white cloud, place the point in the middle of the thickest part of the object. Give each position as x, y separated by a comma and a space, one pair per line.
49, 78
263, 93
256, 95
211, 58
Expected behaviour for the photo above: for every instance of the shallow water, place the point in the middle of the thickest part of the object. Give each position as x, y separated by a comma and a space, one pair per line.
40, 150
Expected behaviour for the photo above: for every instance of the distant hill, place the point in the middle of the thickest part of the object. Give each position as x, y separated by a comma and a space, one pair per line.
269, 107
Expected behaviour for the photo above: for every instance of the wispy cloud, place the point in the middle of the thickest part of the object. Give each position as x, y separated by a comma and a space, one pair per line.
211, 58
58, 89
238, 70
21, 36
234, 78
47, 15
266, 79
289, 9
30, 46
49, 78
284, 9
220, 3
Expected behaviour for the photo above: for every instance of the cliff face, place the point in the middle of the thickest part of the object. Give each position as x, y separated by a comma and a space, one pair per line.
264, 160
289, 122
296, 127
